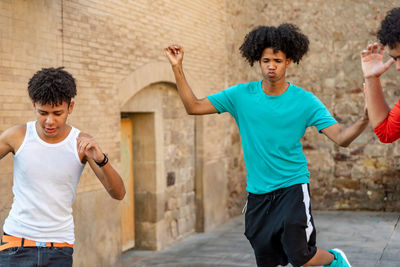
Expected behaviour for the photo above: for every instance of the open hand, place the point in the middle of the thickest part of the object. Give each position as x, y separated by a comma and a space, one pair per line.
372, 61
174, 54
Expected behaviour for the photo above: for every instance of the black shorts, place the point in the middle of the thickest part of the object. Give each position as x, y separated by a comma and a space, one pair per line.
280, 227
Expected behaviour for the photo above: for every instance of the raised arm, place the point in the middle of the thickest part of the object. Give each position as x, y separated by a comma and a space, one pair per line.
193, 105
373, 67
107, 175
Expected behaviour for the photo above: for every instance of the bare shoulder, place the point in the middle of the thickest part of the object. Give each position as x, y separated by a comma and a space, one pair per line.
16, 131
13, 137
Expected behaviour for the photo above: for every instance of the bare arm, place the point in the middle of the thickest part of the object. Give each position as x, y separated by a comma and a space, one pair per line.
5, 146
107, 175
344, 136
373, 67
11, 139
193, 105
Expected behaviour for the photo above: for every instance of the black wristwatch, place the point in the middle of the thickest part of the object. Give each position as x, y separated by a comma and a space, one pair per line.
104, 162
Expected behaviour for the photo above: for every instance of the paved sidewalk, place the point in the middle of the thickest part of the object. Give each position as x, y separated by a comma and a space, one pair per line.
369, 239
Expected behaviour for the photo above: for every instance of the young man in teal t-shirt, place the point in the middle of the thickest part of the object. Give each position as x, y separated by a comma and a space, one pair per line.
272, 115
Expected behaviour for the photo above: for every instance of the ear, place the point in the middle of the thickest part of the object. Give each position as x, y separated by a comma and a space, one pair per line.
71, 107
288, 61
34, 106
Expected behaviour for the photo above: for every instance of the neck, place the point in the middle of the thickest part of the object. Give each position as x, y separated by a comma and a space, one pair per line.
274, 88
60, 136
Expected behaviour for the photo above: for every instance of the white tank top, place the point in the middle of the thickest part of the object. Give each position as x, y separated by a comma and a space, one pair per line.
45, 180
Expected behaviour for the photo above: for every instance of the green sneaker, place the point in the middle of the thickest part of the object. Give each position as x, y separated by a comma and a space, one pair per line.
340, 259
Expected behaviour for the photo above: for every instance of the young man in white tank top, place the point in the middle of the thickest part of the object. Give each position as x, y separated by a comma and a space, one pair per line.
49, 157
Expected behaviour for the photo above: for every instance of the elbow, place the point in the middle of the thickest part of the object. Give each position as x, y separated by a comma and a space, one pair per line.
118, 195
122, 195
191, 111
344, 144
344, 140
194, 108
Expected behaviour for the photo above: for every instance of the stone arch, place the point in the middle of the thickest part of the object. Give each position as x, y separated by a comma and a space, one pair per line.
150, 73
139, 98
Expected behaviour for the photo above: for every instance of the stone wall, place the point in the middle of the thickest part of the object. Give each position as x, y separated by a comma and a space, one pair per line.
114, 49
179, 131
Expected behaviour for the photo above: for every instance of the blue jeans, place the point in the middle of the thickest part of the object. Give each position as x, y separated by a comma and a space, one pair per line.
36, 257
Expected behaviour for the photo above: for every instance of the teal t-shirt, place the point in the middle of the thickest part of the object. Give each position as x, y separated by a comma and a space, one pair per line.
270, 128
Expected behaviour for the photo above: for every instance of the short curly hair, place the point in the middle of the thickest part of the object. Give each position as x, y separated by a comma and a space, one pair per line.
52, 86
286, 37
389, 33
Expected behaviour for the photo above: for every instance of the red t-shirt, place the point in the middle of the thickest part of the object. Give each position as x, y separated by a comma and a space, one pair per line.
388, 130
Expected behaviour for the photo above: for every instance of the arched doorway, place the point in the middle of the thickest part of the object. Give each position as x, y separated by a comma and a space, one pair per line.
158, 139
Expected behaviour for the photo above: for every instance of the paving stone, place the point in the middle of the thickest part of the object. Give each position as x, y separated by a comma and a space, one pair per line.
369, 239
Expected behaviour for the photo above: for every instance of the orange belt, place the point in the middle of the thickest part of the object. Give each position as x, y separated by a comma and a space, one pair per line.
12, 241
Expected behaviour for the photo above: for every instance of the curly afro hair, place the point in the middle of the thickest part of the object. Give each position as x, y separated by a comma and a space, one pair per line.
52, 86
286, 38
389, 33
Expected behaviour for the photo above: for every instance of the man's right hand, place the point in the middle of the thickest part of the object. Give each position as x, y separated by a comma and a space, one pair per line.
174, 54
372, 61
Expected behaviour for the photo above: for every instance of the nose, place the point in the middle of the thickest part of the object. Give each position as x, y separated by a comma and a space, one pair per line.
49, 120
271, 66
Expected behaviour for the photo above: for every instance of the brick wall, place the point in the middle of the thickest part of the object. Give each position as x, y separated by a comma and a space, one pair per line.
101, 43
30, 39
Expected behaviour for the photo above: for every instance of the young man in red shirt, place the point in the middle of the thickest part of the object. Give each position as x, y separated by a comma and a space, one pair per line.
385, 121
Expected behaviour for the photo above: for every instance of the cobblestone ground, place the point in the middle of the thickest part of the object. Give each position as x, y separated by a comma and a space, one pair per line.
368, 239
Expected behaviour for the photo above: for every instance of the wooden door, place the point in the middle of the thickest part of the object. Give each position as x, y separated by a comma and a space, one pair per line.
128, 207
